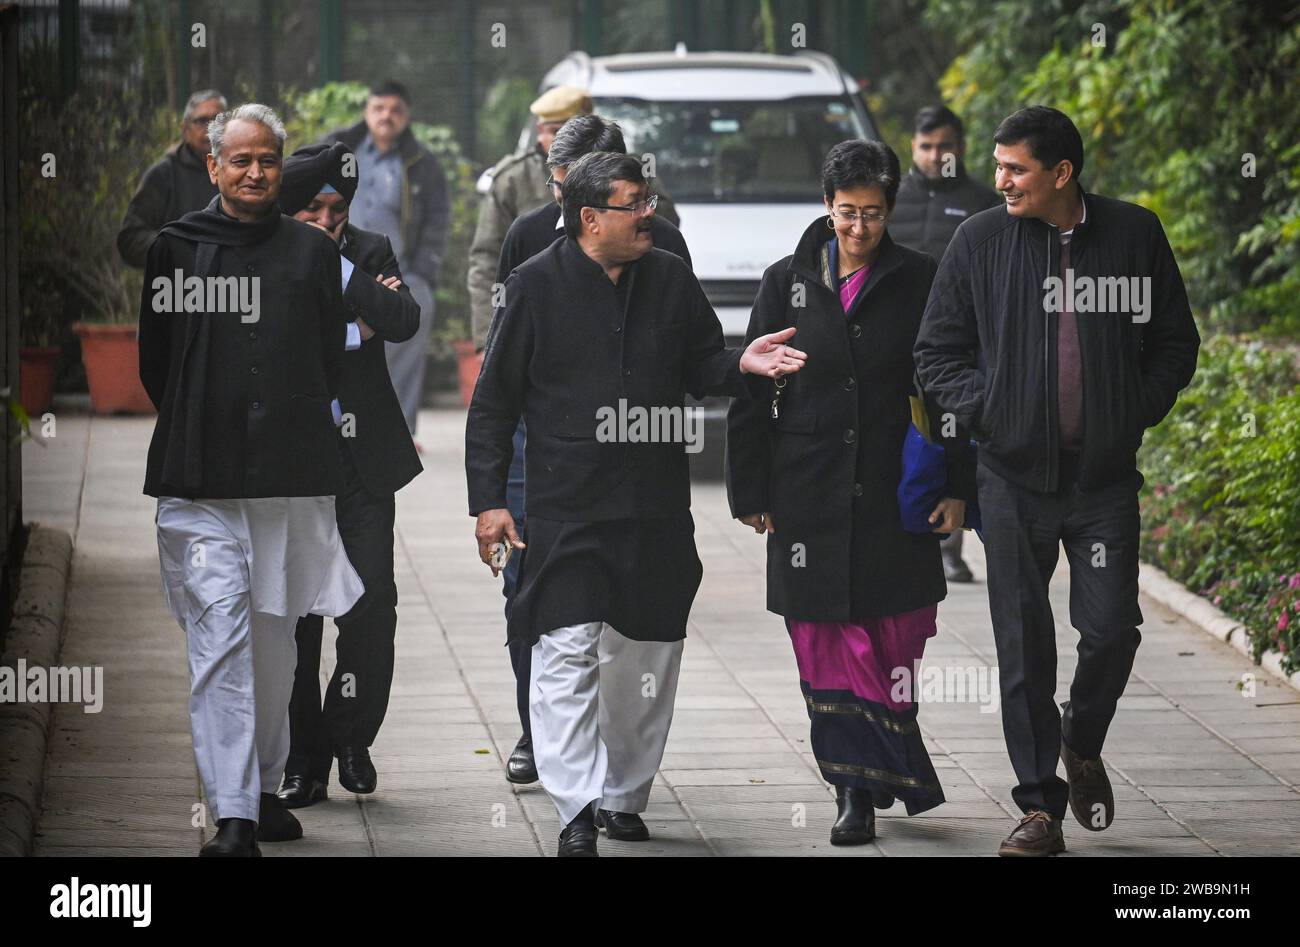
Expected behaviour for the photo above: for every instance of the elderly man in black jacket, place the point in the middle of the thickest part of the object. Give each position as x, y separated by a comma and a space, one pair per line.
177, 184
1058, 331
242, 329
933, 199
599, 338
402, 193
378, 459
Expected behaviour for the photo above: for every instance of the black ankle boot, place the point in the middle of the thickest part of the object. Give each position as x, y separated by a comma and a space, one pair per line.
856, 824
235, 838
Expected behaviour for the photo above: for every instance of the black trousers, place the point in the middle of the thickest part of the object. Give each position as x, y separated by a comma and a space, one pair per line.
357, 696
1022, 534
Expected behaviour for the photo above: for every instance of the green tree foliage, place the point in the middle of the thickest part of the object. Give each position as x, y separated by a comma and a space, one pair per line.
1189, 108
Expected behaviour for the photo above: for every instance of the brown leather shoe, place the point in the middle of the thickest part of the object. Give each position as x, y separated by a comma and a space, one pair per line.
1037, 835
1091, 798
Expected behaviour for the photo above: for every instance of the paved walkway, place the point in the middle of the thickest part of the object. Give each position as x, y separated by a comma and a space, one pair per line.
1198, 768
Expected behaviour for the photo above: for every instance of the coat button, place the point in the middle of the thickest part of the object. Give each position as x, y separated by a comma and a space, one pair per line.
257, 404
850, 436
251, 268
855, 330
857, 489
253, 369
850, 384
618, 329
252, 334
626, 372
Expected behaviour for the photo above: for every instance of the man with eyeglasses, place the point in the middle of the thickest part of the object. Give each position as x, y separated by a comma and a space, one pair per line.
600, 322
529, 235
176, 184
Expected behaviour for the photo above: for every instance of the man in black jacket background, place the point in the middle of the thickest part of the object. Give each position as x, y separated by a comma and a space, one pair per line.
933, 199
177, 184
1058, 330
378, 459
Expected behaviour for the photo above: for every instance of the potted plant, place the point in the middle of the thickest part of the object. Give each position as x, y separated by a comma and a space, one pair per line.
81, 159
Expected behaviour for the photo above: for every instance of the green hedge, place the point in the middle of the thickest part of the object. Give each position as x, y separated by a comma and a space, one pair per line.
1221, 504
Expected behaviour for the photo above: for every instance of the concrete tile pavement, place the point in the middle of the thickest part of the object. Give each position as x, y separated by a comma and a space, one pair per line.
1198, 768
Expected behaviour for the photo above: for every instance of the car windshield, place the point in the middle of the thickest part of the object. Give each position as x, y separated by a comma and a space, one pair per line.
737, 152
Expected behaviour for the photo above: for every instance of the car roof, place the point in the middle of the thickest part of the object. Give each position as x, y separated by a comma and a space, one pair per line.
685, 76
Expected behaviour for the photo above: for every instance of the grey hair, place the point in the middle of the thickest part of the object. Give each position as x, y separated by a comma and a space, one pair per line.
582, 135
198, 98
249, 112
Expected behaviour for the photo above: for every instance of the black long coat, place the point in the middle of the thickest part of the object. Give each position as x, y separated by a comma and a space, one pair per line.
382, 447
828, 467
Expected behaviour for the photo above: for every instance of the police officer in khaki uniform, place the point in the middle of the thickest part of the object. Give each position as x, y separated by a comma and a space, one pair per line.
516, 185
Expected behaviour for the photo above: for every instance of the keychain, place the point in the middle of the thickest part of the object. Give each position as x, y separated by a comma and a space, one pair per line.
780, 384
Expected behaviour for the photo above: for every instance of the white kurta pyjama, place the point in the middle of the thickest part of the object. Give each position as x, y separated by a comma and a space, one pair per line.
237, 575
601, 706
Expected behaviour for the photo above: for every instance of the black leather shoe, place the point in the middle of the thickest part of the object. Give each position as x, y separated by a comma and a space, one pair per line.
235, 838
956, 570
1037, 835
298, 792
356, 772
578, 840
622, 826
521, 768
1091, 799
275, 823
856, 824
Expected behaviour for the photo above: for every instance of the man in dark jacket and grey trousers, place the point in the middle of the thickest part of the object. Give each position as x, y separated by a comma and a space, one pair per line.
934, 198
177, 184
402, 193
1058, 330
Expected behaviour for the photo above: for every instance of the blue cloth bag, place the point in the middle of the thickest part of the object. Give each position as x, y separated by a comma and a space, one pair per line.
925, 476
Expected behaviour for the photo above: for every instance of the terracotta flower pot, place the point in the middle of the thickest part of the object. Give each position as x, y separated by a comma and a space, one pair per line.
112, 368
36, 377
468, 364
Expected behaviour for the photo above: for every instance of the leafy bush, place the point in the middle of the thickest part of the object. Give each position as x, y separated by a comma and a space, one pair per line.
1221, 505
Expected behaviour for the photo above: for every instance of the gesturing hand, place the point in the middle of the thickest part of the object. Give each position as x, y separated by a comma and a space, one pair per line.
495, 526
769, 355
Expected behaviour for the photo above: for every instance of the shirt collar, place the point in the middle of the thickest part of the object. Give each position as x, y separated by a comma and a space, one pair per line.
1068, 234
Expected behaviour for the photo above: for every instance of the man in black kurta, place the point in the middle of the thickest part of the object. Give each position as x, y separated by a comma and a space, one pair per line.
598, 341
529, 235
241, 340
378, 459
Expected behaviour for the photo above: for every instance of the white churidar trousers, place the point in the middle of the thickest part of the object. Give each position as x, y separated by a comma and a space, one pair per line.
237, 575
601, 706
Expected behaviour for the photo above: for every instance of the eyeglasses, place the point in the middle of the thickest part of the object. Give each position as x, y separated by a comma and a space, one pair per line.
203, 120
872, 218
640, 207
553, 185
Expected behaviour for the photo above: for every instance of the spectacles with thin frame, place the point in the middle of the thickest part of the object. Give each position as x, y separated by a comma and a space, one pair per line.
203, 120
637, 207
553, 185
872, 218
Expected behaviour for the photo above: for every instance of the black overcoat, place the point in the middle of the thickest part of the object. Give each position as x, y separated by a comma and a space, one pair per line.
828, 467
